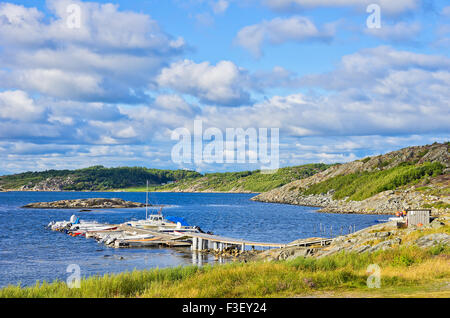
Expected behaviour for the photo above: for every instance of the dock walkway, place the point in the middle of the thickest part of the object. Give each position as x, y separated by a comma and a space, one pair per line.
202, 241
197, 241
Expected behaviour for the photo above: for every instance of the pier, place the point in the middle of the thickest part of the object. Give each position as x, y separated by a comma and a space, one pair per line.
126, 236
201, 241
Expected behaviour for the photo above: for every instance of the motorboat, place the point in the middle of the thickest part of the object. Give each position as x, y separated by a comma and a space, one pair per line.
158, 222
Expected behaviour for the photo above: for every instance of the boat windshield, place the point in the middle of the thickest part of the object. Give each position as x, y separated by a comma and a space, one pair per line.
156, 218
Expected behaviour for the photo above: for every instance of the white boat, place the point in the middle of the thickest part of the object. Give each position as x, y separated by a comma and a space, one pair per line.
397, 219
157, 222
154, 221
111, 238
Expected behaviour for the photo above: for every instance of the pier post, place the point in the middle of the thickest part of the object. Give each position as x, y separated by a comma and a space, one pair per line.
200, 244
221, 247
243, 247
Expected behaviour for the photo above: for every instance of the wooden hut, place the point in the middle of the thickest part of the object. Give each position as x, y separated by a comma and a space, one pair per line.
418, 217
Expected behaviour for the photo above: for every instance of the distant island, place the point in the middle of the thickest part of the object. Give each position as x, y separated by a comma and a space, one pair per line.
413, 177
91, 203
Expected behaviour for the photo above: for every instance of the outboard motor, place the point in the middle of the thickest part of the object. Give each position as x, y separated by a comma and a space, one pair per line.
198, 229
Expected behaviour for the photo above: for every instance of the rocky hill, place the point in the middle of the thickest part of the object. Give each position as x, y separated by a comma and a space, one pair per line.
413, 177
244, 181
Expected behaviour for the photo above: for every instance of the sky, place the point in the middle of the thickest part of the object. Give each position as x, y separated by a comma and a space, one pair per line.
111, 83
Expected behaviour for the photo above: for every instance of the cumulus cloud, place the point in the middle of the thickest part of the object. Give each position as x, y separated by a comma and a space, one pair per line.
373, 92
77, 97
281, 30
111, 56
399, 32
214, 84
387, 6
365, 68
17, 105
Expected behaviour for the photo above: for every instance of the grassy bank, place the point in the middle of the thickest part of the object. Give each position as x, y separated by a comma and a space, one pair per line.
404, 271
362, 185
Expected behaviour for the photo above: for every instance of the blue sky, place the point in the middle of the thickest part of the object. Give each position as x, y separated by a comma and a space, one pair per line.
113, 90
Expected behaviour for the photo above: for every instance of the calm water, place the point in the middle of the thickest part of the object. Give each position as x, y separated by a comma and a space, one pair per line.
29, 252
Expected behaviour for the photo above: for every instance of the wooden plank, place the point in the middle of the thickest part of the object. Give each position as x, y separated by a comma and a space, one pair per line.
228, 240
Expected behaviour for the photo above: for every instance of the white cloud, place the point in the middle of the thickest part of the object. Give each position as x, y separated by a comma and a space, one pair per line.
220, 6
364, 68
18, 106
387, 6
281, 30
58, 83
398, 32
371, 92
112, 56
217, 84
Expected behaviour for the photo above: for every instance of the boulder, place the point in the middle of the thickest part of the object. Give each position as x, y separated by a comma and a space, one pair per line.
385, 245
433, 239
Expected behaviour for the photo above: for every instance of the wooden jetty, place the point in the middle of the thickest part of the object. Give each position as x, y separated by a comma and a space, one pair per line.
202, 241
128, 236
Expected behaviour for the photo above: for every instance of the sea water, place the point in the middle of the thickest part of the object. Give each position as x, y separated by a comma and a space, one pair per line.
29, 252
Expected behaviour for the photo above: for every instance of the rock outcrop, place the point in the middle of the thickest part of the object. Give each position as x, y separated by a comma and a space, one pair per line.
50, 184
94, 203
372, 239
386, 202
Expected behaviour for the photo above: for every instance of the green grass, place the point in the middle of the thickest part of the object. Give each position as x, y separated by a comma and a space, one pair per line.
251, 181
402, 269
362, 185
437, 205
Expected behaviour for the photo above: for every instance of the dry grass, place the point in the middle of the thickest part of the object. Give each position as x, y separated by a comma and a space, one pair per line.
404, 271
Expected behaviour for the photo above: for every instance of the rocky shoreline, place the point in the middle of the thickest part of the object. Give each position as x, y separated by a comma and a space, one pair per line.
374, 238
91, 203
387, 202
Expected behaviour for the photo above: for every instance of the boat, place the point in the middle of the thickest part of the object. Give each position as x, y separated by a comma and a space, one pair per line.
158, 222
397, 219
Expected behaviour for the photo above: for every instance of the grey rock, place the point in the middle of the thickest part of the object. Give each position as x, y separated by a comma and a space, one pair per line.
382, 234
436, 224
385, 245
433, 239
362, 248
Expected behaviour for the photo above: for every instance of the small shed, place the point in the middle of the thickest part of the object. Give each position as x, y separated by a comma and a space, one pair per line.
418, 216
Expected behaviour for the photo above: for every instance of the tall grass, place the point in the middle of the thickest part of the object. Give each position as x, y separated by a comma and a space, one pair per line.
404, 267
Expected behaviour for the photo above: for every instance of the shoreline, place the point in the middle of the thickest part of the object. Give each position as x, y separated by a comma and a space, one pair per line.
338, 207
286, 272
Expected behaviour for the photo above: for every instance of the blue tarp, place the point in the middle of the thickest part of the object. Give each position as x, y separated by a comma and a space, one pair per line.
176, 219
